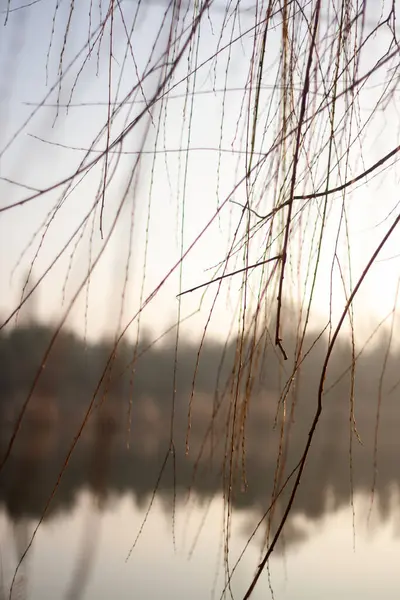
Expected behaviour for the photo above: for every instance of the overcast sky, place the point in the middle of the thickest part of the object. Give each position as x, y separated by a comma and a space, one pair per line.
181, 197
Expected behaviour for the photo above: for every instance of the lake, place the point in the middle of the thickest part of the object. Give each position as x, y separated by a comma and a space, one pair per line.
82, 546
82, 553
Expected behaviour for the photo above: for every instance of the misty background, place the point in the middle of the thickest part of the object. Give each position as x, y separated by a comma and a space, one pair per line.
126, 441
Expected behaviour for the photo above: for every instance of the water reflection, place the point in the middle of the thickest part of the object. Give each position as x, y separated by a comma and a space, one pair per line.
327, 567
104, 465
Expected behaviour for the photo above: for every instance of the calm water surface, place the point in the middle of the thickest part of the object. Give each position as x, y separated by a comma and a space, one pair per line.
81, 548
82, 553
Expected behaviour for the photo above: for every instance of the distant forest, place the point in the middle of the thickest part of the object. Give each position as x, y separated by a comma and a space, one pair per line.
106, 463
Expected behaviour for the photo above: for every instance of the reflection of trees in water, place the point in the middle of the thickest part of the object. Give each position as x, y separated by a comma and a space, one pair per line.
97, 476
22, 532
39, 442
103, 463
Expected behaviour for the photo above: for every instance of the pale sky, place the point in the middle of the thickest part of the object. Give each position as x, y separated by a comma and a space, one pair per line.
209, 179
